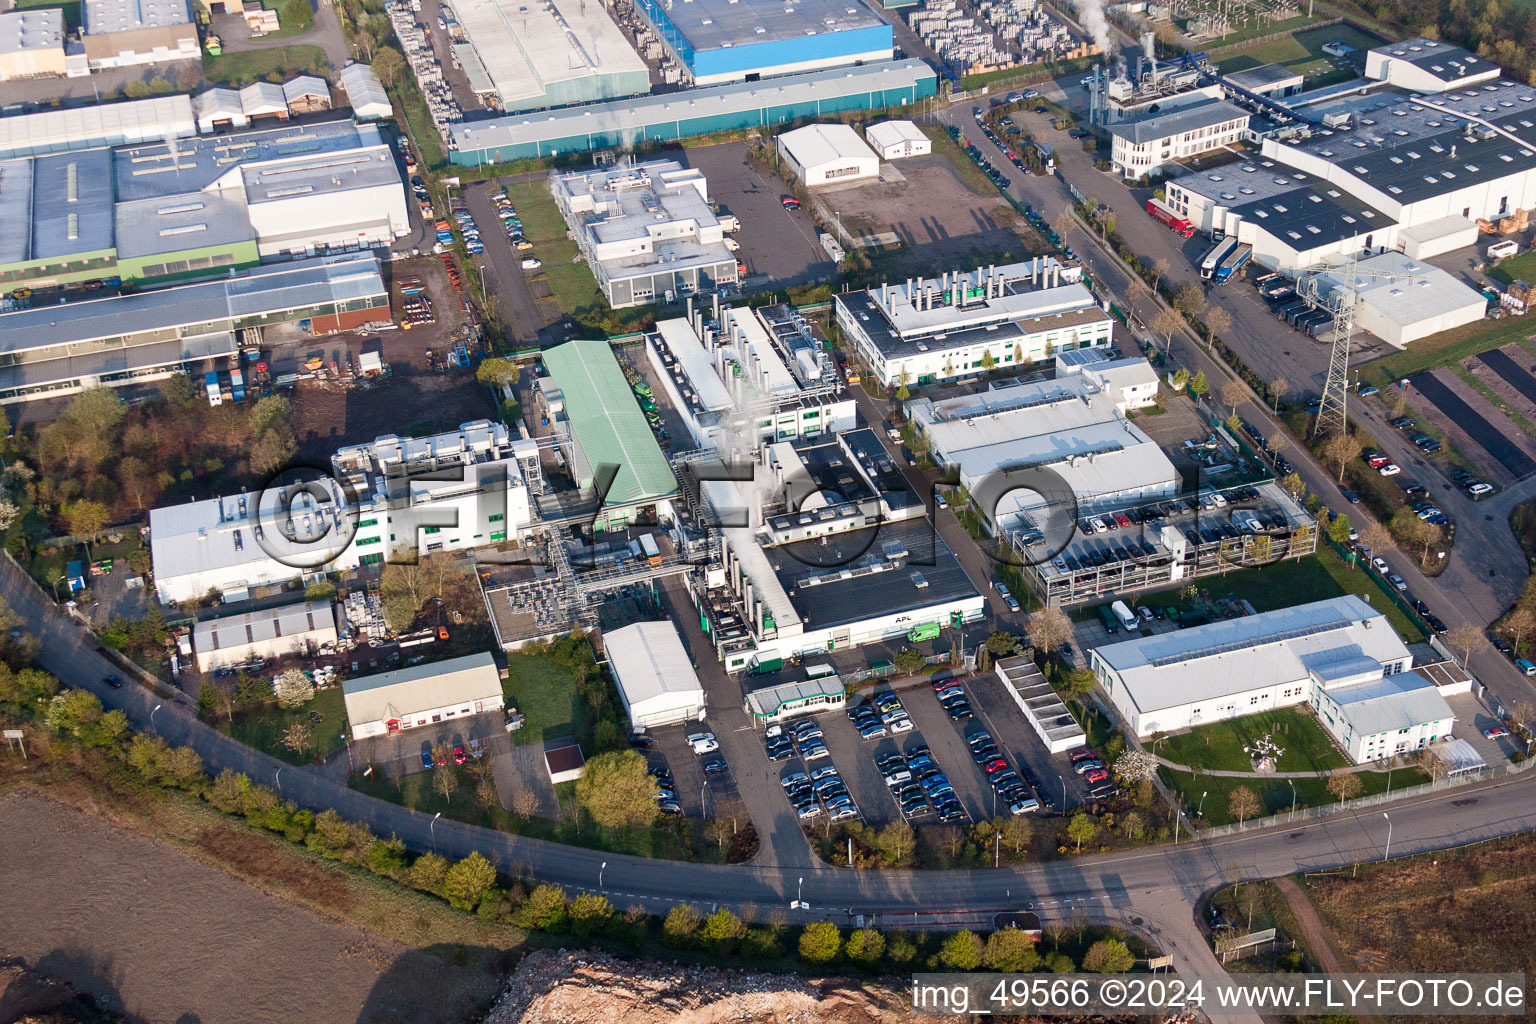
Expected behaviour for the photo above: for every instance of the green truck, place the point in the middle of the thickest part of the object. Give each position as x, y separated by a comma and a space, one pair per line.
927, 631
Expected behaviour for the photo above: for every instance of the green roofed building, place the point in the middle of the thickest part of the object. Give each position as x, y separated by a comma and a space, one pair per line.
603, 432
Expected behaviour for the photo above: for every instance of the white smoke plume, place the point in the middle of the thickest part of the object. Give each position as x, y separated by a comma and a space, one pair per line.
1096, 24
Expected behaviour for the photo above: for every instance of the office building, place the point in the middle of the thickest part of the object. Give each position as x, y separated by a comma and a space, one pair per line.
1146, 147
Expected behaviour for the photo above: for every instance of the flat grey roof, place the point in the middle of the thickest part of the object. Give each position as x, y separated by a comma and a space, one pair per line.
1247, 182
530, 49
1398, 701
152, 226
1263, 75
268, 289
708, 24
31, 30
95, 125
102, 16
829, 582
1445, 61
71, 203
1314, 215
621, 115
1189, 119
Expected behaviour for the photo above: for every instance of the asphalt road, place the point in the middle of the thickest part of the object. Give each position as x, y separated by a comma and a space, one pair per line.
519, 312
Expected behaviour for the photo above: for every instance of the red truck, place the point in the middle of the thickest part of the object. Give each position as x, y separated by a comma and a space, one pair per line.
1162, 212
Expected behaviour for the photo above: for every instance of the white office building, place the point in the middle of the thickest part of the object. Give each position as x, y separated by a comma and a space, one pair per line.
1339, 656
647, 231
827, 154
655, 677
1147, 146
452, 491
964, 323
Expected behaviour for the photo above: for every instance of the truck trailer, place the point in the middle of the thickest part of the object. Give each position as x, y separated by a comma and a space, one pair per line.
1163, 212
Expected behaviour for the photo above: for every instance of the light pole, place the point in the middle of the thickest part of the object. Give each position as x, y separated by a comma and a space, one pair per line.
1200, 811
433, 829
997, 849
600, 875
1063, 781
278, 778
703, 792
157, 707
1293, 799
799, 889
1388, 851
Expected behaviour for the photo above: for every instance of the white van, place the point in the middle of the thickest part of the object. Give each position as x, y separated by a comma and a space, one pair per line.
1127, 618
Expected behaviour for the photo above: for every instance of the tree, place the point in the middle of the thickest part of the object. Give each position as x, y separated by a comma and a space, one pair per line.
1293, 485
1375, 536
1277, 389
298, 737
1338, 528
896, 842
961, 951
1344, 785
468, 880
903, 385
1134, 827
387, 66
1108, 956
495, 372
1519, 625
1198, 385
297, 14
909, 661
1049, 629
1218, 321
617, 790
1190, 301
589, 913
820, 943
273, 450
1160, 268
445, 780
1167, 323
189, 75
547, 909
1000, 644
365, 42
721, 932
1414, 530
293, 688
1241, 803
525, 803
86, 517
1010, 950
1342, 449
865, 947
136, 90
1082, 829
429, 871
1233, 392
1134, 766
1468, 639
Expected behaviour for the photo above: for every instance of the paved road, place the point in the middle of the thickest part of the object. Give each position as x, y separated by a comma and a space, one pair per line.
1151, 889
519, 312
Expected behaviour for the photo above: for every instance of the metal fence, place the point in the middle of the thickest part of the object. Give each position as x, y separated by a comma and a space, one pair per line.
1376, 799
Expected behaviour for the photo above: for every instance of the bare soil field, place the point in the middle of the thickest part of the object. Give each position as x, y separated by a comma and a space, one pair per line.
1458, 910
159, 935
1496, 428
327, 415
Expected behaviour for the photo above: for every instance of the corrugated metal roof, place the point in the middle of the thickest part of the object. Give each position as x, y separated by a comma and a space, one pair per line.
106, 123
293, 621
1398, 701
608, 423
649, 661
406, 691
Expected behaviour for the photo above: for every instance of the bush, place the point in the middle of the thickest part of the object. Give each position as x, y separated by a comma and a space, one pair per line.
1010, 951
681, 923
589, 914
1108, 956
761, 944
820, 943
865, 947
546, 909
386, 857
428, 873
722, 932
468, 881
616, 789
961, 952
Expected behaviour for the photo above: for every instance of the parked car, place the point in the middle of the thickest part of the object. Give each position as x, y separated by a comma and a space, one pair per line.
532, 263
1524, 665
459, 757
113, 681
1494, 732
703, 743
427, 762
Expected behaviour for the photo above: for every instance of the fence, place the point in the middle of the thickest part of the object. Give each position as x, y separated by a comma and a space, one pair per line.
1374, 800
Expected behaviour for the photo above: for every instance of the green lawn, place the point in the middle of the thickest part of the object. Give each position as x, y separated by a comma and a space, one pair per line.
1302, 52
573, 285
1274, 794
1516, 268
537, 210
1219, 745
1291, 582
1449, 347
255, 65
263, 727
545, 694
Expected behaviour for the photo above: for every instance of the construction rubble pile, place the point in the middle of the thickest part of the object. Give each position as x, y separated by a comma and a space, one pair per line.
561, 987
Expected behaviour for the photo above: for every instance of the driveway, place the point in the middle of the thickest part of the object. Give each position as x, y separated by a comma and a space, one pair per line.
326, 34
518, 312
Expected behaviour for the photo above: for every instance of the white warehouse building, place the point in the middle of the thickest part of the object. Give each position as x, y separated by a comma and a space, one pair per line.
827, 154
268, 633
896, 140
391, 702
655, 677
966, 322
1340, 656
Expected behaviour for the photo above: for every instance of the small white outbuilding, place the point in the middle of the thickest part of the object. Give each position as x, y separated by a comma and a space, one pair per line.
827, 154
896, 140
655, 676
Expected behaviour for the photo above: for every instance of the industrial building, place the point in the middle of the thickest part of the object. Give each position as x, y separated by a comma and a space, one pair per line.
391, 702
365, 93
1428, 66
827, 154
170, 208
31, 44
1073, 426
785, 700
259, 635
627, 124
897, 140
103, 124
720, 41
601, 433
60, 349
1273, 80
1401, 300
1146, 89
1145, 147
123, 33
647, 231
654, 675
532, 56
452, 491
963, 323
749, 377
1340, 656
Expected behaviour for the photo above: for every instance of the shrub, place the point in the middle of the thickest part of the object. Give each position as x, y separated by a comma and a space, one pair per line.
428, 873
961, 951
589, 913
681, 923
546, 909
1011, 951
1108, 956
468, 881
865, 947
820, 942
722, 932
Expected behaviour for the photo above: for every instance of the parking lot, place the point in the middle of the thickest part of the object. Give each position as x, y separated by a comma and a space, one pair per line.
697, 793
779, 246
400, 754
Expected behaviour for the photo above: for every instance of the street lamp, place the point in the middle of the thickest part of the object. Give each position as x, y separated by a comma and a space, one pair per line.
1388, 852
799, 889
703, 791
157, 707
1063, 782
278, 778
1293, 798
1200, 811
600, 875
432, 828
